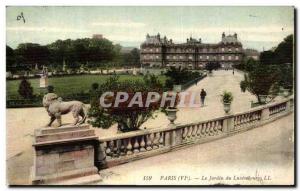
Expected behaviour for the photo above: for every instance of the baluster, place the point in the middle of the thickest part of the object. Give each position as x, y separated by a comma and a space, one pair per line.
148, 148
216, 127
199, 130
156, 140
122, 148
237, 120
129, 147
117, 148
194, 130
152, 139
143, 144
220, 126
207, 129
189, 132
161, 139
251, 117
184, 134
203, 130
245, 120
136, 145
111, 148
211, 129
107, 150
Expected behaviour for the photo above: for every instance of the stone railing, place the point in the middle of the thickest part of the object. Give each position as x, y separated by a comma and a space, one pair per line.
130, 146
74, 154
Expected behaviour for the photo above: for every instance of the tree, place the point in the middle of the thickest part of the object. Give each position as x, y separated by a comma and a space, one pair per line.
132, 58
30, 54
25, 89
268, 57
284, 51
262, 80
10, 59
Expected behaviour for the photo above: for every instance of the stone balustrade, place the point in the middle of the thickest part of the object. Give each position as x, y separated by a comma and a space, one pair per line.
135, 145
70, 154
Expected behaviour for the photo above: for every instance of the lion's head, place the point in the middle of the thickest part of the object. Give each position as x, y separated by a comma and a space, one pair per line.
49, 98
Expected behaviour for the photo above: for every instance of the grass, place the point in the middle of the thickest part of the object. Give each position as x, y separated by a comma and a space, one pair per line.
67, 85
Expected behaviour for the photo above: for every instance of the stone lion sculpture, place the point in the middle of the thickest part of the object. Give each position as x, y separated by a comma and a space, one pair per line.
56, 107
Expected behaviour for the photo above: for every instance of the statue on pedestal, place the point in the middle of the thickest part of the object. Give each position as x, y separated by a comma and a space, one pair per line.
44, 78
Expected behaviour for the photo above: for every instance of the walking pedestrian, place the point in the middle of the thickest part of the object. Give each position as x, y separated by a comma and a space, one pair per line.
202, 96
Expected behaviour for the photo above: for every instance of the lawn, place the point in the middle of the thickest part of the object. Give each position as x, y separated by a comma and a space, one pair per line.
67, 85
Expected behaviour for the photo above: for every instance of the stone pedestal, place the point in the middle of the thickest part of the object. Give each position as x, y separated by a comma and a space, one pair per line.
44, 82
64, 154
265, 113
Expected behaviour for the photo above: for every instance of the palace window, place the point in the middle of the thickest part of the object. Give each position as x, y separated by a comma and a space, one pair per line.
223, 49
168, 57
180, 57
237, 49
157, 50
207, 57
200, 57
229, 49
229, 57
190, 57
236, 57
222, 57
157, 56
174, 57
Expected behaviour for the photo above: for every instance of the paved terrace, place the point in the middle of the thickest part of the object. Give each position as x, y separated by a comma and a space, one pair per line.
22, 122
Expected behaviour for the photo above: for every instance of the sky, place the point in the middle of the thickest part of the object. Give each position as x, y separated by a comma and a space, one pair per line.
260, 28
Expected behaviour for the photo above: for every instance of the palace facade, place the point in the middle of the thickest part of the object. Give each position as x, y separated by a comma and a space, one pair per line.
193, 54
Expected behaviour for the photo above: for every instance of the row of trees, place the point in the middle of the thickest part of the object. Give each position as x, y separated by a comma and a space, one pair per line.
87, 52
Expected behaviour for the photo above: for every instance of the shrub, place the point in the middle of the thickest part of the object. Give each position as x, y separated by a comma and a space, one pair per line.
128, 119
25, 89
261, 80
50, 89
226, 97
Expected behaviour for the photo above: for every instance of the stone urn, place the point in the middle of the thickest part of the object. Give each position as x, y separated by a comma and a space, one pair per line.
171, 113
263, 98
227, 107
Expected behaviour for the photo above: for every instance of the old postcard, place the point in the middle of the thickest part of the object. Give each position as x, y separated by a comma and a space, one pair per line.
141, 95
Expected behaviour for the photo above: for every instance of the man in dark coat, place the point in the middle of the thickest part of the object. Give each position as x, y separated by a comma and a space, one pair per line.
202, 95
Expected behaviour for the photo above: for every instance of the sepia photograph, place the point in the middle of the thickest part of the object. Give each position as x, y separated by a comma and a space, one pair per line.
150, 95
